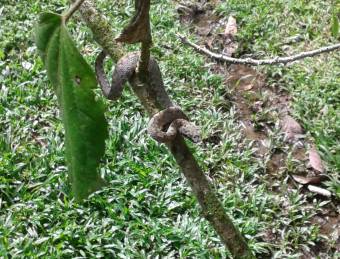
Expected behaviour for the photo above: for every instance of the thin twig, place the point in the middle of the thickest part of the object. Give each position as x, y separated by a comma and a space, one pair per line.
74, 7
257, 62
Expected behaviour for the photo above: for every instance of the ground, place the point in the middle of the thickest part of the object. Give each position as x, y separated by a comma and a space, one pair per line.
148, 210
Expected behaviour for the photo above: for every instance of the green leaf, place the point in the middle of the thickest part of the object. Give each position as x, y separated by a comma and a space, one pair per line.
335, 25
83, 116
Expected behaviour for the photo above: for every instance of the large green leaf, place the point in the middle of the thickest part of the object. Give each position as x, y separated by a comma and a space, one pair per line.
83, 116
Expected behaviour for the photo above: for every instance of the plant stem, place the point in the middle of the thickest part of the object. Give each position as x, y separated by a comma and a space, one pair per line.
143, 65
74, 7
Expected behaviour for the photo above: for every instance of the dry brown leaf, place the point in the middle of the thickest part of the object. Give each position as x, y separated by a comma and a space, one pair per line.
315, 160
231, 27
247, 87
229, 44
319, 190
138, 30
291, 127
306, 180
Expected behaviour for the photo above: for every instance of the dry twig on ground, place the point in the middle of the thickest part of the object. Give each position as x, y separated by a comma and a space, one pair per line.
258, 62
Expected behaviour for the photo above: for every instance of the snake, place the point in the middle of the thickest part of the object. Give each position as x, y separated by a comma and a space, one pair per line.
124, 70
165, 124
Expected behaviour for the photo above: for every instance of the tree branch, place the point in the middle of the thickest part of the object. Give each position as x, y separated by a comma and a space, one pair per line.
144, 57
101, 29
258, 62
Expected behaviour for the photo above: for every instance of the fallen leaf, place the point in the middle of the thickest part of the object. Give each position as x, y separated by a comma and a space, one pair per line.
306, 180
315, 160
319, 190
291, 127
138, 30
231, 27
247, 87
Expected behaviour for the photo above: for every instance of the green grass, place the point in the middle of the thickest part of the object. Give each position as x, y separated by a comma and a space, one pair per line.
148, 210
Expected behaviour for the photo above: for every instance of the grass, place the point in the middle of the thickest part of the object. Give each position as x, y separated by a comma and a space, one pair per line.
148, 210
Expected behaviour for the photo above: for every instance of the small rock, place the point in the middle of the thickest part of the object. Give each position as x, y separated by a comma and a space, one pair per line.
319, 190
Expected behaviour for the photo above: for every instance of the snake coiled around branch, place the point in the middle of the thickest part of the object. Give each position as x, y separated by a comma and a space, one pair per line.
164, 125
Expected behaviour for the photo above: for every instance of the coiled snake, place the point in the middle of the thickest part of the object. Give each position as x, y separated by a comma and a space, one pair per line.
165, 124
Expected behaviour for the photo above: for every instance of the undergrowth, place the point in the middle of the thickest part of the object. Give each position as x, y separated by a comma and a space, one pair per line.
148, 210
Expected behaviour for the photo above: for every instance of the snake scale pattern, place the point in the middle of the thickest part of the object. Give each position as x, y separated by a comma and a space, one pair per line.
164, 125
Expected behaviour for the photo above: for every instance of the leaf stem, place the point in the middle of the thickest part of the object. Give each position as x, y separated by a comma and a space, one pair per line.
74, 7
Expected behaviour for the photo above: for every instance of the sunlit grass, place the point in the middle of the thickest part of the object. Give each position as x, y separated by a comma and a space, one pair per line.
148, 210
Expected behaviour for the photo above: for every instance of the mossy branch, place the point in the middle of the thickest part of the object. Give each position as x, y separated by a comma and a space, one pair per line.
101, 29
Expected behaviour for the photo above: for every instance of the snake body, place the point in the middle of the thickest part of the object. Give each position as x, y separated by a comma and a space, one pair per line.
125, 68
165, 124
